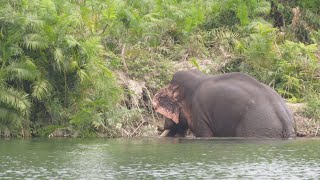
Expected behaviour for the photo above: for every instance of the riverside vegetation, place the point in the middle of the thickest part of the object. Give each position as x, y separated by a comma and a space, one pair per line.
89, 67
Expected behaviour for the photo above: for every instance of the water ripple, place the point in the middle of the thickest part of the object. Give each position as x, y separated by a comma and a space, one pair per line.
159, 159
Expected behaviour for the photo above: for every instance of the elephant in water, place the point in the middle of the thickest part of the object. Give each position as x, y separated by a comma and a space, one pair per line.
226, 105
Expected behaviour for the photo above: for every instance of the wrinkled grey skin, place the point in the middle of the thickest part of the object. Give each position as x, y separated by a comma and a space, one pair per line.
226, 105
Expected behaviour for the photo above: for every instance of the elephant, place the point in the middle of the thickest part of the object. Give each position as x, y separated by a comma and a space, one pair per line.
225, 105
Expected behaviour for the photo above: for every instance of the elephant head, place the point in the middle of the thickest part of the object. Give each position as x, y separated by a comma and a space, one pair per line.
174, 101
166, 101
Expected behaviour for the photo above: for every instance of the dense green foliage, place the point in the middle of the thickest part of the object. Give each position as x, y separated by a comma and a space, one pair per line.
58, 58
50, 56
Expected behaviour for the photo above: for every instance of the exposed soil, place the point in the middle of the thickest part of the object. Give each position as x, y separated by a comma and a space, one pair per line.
306, 127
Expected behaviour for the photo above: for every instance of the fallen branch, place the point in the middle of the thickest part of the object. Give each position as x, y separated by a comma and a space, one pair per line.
137, 128
317, 131
149, 96
123, 57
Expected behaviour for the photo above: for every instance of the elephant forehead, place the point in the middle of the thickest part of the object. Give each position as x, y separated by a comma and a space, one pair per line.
164, 103
168, 104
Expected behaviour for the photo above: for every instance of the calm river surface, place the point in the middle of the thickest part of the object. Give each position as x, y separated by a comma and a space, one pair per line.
159, 158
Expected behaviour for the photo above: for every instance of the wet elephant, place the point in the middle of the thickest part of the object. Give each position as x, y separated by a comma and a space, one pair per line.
226, 105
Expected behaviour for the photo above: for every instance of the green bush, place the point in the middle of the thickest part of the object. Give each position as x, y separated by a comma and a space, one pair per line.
312, 110
49, 51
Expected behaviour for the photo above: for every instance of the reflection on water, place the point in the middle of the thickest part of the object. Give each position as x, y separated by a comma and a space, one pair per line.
158, 158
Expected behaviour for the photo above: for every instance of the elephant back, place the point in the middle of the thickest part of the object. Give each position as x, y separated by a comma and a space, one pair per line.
188, 81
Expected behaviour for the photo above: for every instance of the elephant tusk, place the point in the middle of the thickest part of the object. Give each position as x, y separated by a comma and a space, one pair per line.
165, 133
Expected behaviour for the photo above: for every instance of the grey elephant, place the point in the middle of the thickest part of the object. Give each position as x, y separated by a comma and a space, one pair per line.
226, 105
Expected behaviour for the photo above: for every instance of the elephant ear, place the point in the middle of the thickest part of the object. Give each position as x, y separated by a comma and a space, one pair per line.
164, 103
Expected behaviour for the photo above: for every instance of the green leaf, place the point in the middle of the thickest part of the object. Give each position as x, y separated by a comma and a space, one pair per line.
40, 89
58, 57
195, 63
23, 71
35, 42
16, 100
243, 14
71, 41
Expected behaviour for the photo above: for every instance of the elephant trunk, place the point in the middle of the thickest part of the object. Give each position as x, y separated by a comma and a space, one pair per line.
165, 133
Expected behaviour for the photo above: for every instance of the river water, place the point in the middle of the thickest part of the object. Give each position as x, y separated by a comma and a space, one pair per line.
159, 158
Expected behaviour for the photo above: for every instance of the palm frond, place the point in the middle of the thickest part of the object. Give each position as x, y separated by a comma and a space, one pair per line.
82, 75
92, 47
40, 89
47, 6
71, 41
313, 18
58, 57
35, 42
262, 8
33, 21
110, 12
74, 19
223, 37
18, 100
23, 71
9, 116
242, 13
